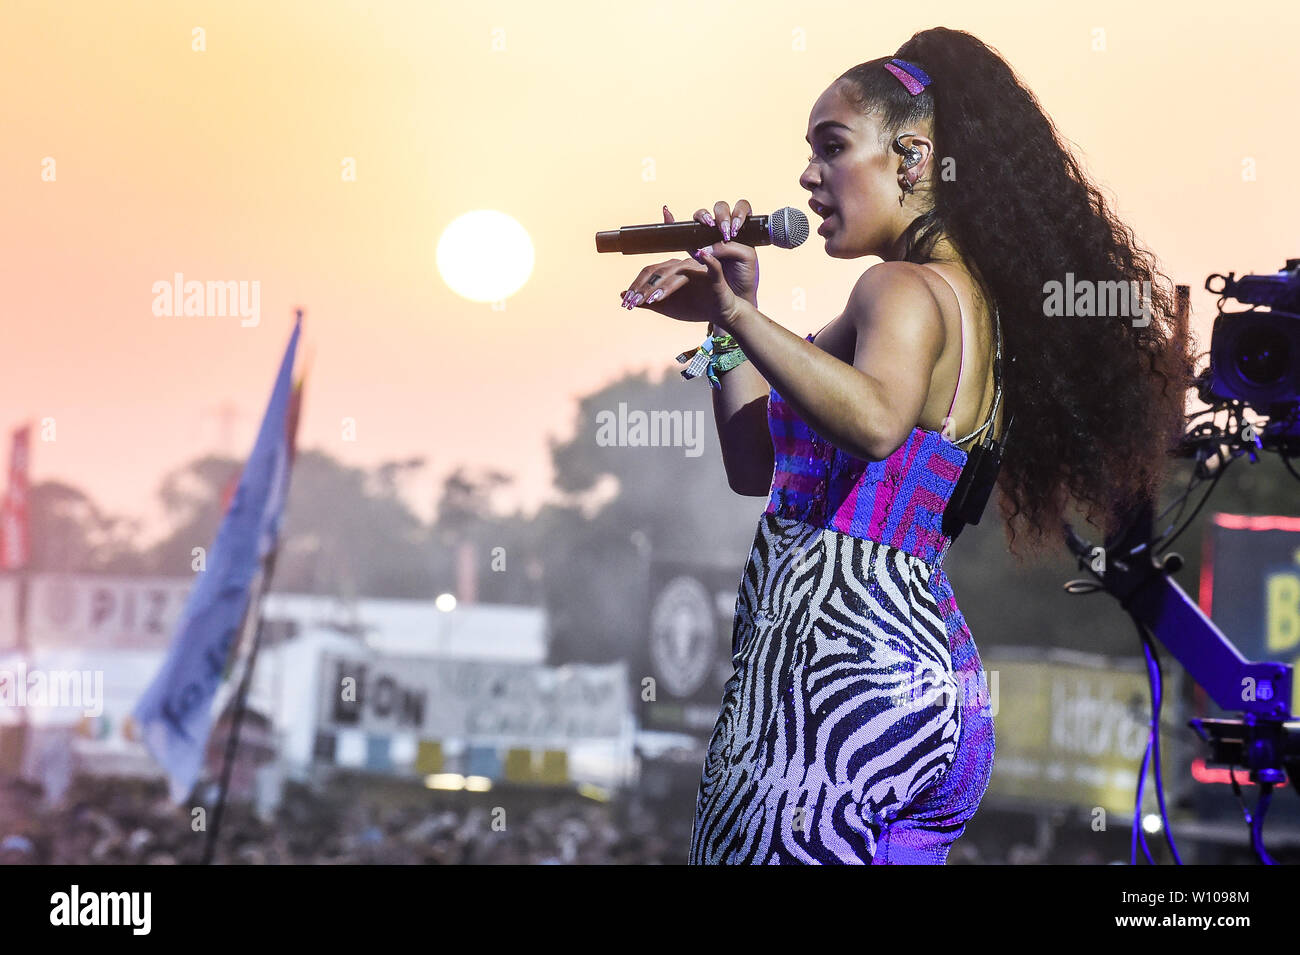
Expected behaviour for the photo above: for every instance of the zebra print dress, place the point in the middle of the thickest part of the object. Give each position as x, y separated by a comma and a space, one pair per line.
854, 727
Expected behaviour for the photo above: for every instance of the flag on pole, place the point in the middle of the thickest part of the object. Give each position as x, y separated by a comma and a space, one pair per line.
15, 531
249, 626
174, 716
291, 426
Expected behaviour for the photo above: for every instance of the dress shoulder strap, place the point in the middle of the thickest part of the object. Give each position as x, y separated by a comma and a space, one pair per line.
997, 382
961, 325
997, 363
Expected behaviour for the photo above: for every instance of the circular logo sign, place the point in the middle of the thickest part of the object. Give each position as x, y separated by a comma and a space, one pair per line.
683, 636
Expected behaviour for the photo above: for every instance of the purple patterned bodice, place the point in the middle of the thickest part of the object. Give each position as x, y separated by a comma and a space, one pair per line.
897, 501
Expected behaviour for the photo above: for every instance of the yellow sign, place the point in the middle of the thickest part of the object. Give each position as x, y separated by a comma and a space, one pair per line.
1072, 734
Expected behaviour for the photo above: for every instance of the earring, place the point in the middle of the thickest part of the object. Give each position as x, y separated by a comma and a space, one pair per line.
907, 190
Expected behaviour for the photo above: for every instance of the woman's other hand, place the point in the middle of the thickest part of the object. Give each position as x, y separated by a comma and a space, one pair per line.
734, 272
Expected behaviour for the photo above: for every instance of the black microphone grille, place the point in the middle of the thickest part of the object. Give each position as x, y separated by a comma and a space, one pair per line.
788, 227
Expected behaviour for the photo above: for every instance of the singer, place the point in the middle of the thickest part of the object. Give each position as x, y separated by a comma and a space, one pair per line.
855, 727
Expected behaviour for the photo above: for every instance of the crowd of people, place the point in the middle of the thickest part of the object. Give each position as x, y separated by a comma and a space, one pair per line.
112, 822
102, 821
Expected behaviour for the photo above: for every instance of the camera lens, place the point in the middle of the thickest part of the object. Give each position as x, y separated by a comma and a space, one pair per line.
1263, 356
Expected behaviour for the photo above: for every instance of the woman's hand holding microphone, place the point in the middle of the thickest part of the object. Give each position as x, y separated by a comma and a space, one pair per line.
713, 285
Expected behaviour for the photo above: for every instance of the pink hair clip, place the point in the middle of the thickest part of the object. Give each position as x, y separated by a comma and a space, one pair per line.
913, 78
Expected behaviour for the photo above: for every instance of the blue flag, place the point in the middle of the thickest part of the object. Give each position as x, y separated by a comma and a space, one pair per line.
175, 713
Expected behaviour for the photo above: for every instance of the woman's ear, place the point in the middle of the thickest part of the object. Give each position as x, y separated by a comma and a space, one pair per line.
915, 150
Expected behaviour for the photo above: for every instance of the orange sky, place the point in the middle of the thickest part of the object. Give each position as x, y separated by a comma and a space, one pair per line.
225, 164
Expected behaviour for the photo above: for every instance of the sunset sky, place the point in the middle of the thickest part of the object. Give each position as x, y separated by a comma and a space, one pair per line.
225, 164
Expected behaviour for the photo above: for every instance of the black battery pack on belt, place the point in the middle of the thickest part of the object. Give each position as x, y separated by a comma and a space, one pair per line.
974, 487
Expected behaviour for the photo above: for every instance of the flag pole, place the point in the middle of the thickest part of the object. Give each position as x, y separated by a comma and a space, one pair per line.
245, 682
256, 608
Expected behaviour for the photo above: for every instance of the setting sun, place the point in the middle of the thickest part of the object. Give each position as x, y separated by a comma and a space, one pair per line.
485, 256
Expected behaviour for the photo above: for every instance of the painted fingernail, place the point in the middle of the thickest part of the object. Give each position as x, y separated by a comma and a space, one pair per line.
637, 301
735, 225
726, 231
655, 297
709, 219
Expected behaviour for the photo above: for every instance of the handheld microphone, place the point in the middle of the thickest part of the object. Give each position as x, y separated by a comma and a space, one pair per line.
786, 228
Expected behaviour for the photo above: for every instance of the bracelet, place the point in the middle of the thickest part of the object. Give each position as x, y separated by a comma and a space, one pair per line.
724, 342
714, 356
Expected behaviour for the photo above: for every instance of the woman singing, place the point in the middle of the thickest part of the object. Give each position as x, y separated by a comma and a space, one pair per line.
853, 728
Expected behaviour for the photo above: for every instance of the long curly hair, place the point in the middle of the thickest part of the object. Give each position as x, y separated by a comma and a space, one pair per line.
1098, 402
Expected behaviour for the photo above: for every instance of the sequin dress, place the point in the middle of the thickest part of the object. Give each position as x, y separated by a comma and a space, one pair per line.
855, 727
